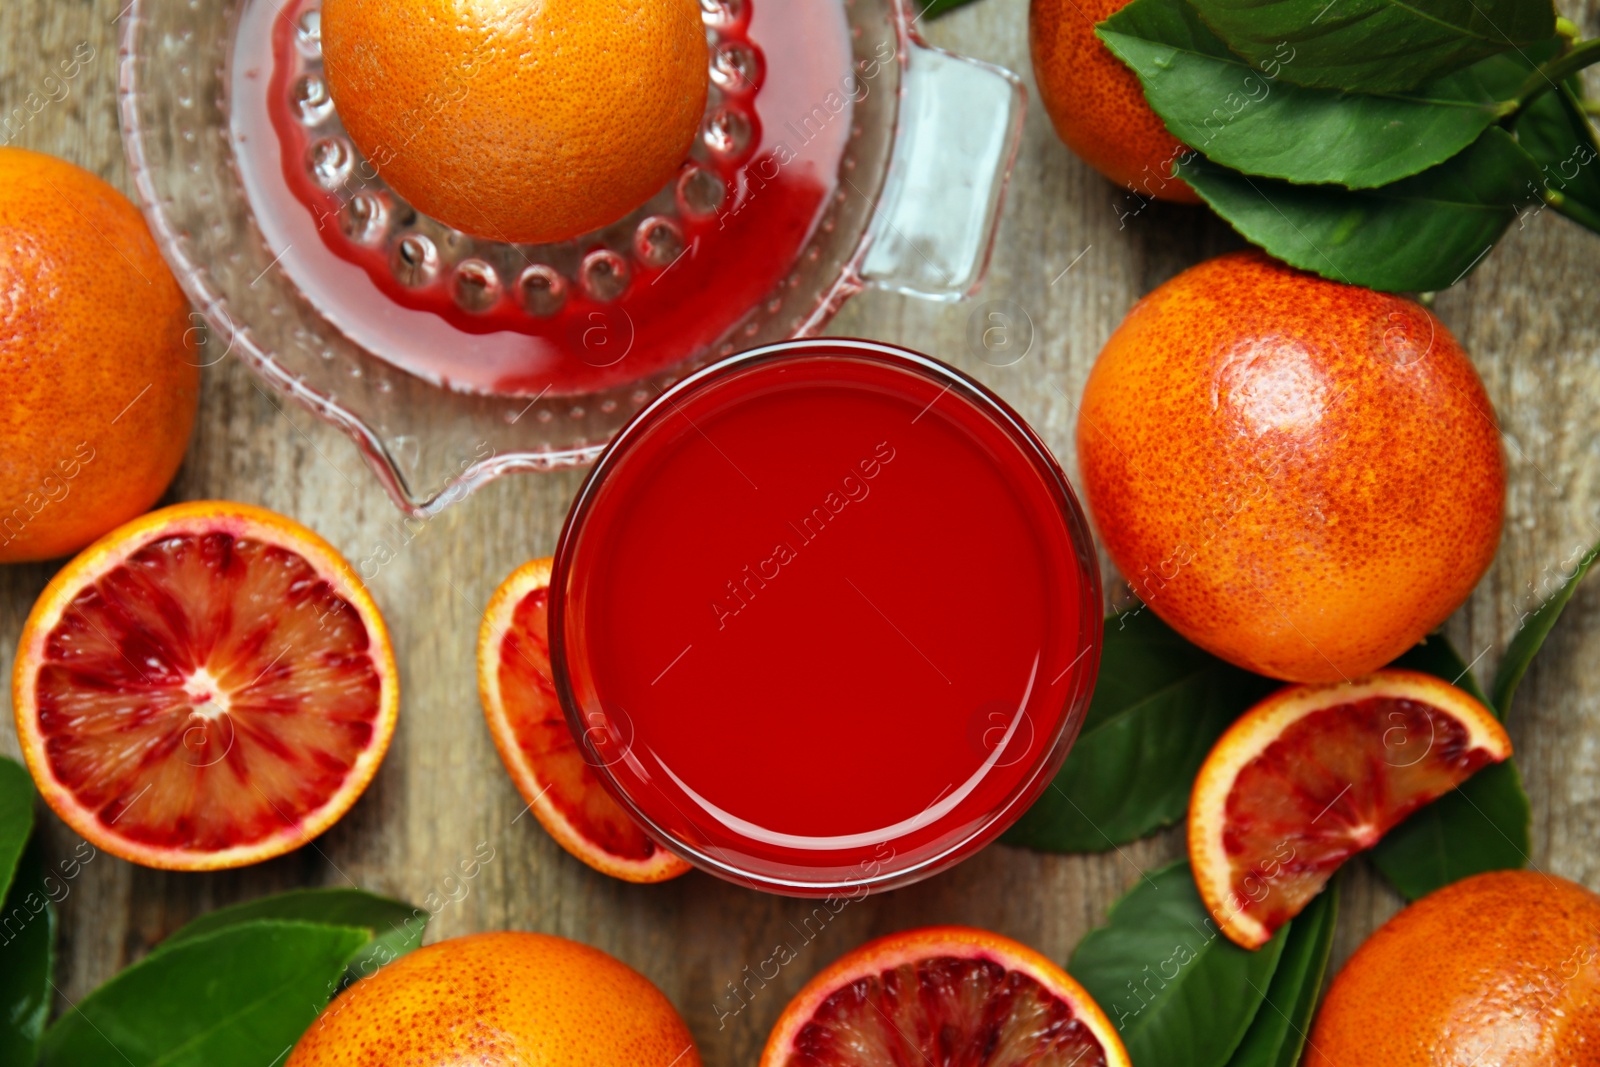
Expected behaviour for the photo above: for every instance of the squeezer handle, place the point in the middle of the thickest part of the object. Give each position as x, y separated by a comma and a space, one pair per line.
960, 124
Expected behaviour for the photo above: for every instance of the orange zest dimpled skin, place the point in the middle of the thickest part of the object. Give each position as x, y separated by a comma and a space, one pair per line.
528, 123
97, 357
1300, 476
1097, 104
1500, 968
500, 1000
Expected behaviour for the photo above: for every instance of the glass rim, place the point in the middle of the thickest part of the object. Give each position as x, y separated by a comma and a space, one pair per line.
1054, 480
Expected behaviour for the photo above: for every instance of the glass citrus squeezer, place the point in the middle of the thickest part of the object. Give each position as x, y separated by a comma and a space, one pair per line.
838, 152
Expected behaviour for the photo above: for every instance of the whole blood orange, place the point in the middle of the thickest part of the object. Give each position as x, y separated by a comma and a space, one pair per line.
1500, 968
1316, 773
531, 122
1097, 104
500, 1000
207, 686
530, 730
943, 995
1300, 476
101, 380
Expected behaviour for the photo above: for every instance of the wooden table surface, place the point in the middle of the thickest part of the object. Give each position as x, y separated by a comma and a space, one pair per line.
1529, 317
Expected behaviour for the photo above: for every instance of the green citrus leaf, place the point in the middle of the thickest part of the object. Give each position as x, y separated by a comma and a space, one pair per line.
1421, 233
240, 996
935, 8
1178, 991
1485, 824
1249, 118
395, 927
1158, 706
1277, 1036
1532, 632
1555, 130
27, 955
1376, 45
16, 817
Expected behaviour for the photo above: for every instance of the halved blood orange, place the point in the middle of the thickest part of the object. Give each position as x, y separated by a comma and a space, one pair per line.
206, 686
1316, 773
536, 745
947, 995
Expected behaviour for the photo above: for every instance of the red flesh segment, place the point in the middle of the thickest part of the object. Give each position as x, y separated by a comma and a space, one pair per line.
1330, 786
948, 1011
207, 693
528, 697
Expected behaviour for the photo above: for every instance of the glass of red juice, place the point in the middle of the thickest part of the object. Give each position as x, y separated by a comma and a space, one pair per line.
826, 617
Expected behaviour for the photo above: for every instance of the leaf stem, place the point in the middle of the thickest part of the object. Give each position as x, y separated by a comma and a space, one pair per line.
1558, 70
1574, 210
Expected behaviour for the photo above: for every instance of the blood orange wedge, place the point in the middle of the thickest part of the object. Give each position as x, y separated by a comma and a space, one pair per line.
531, 732
947, 995
1316, 773
206, 686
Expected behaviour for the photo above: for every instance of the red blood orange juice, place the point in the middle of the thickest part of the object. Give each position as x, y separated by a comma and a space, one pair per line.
826, 615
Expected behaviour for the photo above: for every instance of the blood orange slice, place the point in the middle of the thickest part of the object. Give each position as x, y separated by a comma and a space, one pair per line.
1316, 773
206, 686
531, 732
947, 995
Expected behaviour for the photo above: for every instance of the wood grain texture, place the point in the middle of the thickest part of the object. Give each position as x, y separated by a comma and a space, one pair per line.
1528, 317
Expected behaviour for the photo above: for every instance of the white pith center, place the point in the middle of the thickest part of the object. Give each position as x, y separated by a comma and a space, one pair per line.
207, 699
